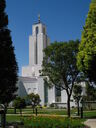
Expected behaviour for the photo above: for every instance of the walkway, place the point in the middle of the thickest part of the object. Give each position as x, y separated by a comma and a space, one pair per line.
91, 123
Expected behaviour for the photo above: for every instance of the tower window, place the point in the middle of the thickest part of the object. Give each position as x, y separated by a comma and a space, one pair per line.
37, 30
36, 51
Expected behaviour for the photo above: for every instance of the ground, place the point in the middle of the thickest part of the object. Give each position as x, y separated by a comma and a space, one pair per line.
50, 113
91, 123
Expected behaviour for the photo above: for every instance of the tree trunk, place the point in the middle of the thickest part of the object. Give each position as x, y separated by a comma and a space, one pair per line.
33, 109
78, 108
5, 108
21, 111
36, 111
68, 106
14, 110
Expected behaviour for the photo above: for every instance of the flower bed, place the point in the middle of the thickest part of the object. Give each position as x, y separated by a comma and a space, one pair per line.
52, 122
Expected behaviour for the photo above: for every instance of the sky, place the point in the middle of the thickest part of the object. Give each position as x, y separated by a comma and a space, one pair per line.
64, 20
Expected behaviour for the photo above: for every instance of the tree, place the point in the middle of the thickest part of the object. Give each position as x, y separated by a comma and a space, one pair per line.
19, 103
35, 100
8, 64
59, 67
77, 91
86, 58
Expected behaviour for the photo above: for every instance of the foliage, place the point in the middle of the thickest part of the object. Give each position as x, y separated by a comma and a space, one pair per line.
86, 59
8, 64
59, 66
19, 103
35, 99
77, 91
52, 122
94, 1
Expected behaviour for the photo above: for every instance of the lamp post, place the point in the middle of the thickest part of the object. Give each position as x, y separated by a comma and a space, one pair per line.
81, 107
3, 115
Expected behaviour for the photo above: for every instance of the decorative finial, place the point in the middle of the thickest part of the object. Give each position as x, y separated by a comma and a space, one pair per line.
39, 18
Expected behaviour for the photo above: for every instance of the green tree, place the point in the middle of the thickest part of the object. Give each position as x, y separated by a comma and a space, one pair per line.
86, 58
19, 103
77, 91
8, 64
59, 67
35, 100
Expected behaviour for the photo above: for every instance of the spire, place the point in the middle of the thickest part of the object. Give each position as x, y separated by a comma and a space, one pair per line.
39, 18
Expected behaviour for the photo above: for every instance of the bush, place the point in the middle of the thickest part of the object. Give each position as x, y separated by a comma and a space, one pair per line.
52, 122
19, 103
51, 105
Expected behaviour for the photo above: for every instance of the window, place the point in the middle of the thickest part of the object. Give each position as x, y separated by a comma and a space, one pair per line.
57, 95
37, 30
46, 94
29, 90
34, 90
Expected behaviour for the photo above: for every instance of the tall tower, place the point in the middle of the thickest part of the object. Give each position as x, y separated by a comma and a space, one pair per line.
37, 42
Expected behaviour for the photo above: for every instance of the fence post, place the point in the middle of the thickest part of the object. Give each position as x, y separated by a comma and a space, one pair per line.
82, 112
36, 111
3, 120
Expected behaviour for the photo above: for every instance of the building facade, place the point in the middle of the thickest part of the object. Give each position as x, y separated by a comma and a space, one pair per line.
31, 81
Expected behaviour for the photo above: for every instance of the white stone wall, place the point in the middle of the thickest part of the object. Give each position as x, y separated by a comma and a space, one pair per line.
40, 48
31, 71
51, 95
21, 89
63, 96
28, 85
32, 40
41, 90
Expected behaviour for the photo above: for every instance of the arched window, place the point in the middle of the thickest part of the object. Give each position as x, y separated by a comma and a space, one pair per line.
37, 30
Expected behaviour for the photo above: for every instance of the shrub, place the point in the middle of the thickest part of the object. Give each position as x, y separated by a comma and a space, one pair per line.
52, 122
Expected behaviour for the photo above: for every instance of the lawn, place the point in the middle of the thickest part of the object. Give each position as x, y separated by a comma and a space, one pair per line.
90, 114
27, 111
42, 111
48, 118
13, 118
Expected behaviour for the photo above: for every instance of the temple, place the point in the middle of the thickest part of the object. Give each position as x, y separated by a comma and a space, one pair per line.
31, 81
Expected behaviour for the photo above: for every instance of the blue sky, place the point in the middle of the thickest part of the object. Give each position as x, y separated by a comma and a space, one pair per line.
64, 20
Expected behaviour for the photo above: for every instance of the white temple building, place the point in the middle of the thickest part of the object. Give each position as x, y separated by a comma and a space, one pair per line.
31, 81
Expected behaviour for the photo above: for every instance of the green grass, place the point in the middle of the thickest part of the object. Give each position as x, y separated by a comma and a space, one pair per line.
27, 111
90, 114
13, 118
42, 111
